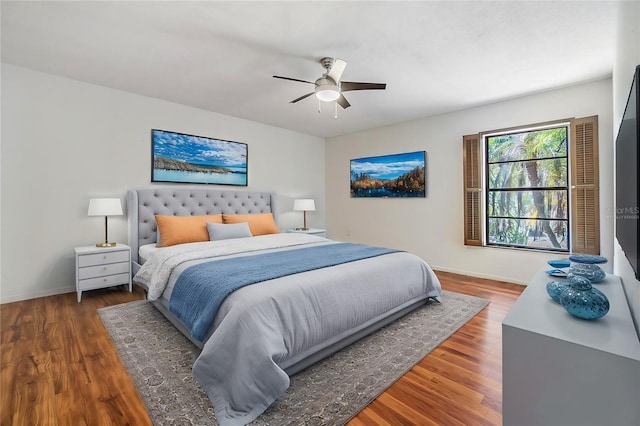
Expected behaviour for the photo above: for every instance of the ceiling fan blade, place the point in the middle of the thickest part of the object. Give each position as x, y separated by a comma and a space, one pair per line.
346, 86
337, 69
301, 97
292, 79
342, 101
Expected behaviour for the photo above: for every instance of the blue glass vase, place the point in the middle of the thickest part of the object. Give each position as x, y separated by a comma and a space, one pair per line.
593, 273
586, 265
580, 299
555, 289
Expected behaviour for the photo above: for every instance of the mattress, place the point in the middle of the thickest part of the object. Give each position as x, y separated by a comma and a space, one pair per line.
146, 251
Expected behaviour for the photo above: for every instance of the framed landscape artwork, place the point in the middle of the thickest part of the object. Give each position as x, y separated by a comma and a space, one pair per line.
181, 158
389, 176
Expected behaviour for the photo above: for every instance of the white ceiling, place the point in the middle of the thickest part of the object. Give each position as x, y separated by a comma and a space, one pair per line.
435, 56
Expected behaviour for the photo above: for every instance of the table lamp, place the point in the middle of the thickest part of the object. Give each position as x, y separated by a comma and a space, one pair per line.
304, 205
105, 207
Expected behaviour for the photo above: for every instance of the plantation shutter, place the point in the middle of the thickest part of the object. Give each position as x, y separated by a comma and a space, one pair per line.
585, 216
472, 190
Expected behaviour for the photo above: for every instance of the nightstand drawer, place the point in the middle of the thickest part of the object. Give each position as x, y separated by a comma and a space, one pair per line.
102, 258
102, 270
101, 282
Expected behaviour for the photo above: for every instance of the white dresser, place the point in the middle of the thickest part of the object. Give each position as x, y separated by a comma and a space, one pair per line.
561, 370
100, 267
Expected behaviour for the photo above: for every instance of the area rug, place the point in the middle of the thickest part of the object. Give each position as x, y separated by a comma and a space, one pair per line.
159, 359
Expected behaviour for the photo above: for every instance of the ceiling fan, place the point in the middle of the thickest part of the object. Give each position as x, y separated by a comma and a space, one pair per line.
329, 87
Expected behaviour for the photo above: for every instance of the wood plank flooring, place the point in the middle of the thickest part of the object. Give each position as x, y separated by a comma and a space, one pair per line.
459, 382
59, 367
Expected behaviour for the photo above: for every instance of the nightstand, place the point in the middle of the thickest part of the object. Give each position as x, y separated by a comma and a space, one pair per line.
313, 231
100, 267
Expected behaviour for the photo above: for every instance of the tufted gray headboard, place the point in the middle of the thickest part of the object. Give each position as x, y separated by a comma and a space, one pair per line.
143, 204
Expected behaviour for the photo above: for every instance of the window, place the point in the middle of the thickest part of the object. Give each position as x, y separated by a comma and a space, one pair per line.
527, 193
519, 191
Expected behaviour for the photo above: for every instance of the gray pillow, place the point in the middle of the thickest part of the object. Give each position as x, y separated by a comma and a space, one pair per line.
227, 231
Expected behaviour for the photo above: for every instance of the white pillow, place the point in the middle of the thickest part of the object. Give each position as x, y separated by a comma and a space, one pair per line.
227, 231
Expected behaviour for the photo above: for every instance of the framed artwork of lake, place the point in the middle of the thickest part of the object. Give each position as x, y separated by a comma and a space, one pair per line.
389, 176
181, 158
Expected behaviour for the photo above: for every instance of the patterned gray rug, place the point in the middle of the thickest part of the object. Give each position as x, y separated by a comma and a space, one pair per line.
159, 359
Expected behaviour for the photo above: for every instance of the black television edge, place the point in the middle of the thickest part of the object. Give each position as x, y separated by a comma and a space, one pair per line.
627, 210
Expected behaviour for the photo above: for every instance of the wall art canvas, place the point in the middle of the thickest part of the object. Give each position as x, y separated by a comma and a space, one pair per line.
177, 157
389, 176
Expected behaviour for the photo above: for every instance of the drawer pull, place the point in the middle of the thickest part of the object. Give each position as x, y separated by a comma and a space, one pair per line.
104, 269
105, 280
104, 257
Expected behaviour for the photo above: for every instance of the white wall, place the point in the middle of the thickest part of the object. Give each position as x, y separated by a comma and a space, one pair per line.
432, 227
64, 142
626, 59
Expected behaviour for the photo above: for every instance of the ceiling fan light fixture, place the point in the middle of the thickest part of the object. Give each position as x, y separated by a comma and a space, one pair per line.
330, 87
327, 92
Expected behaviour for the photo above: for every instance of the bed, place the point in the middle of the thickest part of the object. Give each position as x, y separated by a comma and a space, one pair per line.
291, 299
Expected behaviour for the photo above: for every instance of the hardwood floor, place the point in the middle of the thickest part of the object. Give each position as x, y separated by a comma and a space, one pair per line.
59, 367
459, 382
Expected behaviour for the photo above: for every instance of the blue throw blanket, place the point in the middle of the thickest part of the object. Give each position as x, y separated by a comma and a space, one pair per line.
200, 289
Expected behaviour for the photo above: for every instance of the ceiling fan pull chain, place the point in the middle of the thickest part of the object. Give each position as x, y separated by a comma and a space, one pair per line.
335, 114
319, 109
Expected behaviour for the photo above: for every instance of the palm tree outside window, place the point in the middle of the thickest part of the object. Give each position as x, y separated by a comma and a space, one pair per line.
527, 193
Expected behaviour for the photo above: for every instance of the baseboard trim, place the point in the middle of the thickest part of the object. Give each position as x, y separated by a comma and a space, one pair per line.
479, 275
37, 294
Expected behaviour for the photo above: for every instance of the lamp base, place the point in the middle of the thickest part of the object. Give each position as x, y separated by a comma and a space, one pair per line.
302, 229
106, 244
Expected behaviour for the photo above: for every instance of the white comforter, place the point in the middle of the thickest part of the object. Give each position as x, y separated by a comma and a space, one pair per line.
262, 329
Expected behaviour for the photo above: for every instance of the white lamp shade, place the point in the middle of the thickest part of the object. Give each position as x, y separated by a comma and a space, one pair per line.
105, 207
305, 204
327, 92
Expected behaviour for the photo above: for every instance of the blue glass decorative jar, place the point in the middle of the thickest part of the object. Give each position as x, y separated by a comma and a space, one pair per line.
555, 289
580, 299
586, 265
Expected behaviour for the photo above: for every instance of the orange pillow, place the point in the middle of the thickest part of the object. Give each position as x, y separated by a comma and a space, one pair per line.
259, 224
174, 230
